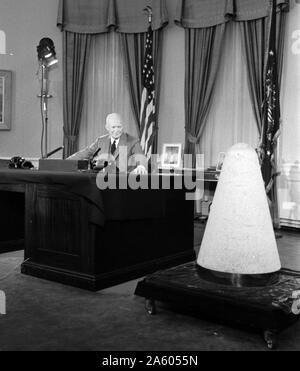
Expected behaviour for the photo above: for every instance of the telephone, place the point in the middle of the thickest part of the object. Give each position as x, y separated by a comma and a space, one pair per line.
18, 162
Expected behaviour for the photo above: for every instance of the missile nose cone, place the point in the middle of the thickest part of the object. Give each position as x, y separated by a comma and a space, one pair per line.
239, 236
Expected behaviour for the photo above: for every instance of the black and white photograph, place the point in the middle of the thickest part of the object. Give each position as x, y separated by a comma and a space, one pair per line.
149, 179
171, 155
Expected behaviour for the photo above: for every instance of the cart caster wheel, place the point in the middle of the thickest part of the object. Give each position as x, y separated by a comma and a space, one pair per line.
270, 339
150, 306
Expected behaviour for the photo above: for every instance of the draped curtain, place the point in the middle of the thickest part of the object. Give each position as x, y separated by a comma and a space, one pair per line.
204, 16
255, 45
231, 118
88, 19
202, 57
205, 23
75, 55
106, 90
254, 41
198, 17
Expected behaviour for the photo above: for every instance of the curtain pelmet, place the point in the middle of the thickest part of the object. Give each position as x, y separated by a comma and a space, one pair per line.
207, 13
203, 13
98, 16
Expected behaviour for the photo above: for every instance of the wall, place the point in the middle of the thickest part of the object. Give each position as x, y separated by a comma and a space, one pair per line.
25, 22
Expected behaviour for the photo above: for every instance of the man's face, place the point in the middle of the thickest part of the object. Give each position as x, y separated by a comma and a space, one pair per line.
115, 127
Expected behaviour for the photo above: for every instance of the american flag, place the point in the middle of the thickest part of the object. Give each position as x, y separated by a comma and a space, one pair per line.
147, 113
271, 110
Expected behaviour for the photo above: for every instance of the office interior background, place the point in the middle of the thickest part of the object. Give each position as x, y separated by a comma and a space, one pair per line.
231, 118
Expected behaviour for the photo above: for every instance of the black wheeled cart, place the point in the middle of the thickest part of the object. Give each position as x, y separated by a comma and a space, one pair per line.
269, 309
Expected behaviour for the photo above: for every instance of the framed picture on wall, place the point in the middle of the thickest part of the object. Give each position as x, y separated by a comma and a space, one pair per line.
5, 99
171, 156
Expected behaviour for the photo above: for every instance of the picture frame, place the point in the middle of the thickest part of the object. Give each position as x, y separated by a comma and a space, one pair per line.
5, 99
221, 158
171, 156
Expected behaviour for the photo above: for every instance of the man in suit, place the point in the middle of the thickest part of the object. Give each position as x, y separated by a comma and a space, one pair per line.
117, 149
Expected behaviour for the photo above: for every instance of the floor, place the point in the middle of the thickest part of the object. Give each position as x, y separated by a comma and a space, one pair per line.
44, 315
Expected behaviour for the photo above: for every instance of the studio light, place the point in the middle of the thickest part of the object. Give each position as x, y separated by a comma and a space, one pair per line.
46, 52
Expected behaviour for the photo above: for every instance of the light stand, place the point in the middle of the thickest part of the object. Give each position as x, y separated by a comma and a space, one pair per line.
44, 96
47, 58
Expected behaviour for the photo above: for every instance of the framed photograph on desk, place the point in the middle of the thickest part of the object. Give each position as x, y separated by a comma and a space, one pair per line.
171, 156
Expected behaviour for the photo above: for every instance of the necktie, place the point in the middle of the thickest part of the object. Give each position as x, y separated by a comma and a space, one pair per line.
113, 147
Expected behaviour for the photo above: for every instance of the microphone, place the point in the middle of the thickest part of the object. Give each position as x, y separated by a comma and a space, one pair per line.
96, 152
54, 151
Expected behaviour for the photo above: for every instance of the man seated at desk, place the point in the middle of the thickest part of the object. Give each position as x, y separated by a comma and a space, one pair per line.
117, 150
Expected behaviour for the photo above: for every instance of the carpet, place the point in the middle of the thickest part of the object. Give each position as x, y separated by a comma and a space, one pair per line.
45, 315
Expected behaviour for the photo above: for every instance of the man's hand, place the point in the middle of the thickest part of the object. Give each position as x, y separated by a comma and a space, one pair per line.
140, 169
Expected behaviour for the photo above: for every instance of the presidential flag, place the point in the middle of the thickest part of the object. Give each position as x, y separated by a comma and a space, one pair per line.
147, 112
271, 112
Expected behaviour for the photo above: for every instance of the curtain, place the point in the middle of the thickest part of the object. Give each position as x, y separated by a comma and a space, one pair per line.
255, 45
254, 41
106, 89
231, 119
75, 55
202, 57
133, 51
206, 15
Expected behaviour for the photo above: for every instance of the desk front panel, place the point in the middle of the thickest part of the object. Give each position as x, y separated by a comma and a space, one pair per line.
56, 227
82, 236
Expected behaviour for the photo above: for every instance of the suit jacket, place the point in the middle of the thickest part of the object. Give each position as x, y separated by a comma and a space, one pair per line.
100, 150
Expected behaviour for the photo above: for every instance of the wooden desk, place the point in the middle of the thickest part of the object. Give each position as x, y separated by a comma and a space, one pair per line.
80, 235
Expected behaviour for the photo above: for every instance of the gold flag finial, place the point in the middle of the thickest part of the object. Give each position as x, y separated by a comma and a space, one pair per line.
148, 9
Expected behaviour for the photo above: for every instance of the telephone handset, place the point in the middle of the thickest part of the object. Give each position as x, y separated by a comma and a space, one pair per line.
18, 162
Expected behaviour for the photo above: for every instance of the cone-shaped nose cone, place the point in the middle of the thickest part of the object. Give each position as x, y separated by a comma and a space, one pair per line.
239, 236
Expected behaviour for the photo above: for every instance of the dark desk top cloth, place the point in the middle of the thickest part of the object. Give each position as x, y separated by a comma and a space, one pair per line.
79, 183
106, 204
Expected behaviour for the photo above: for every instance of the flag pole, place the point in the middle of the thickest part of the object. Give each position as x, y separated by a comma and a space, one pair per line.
147, 107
